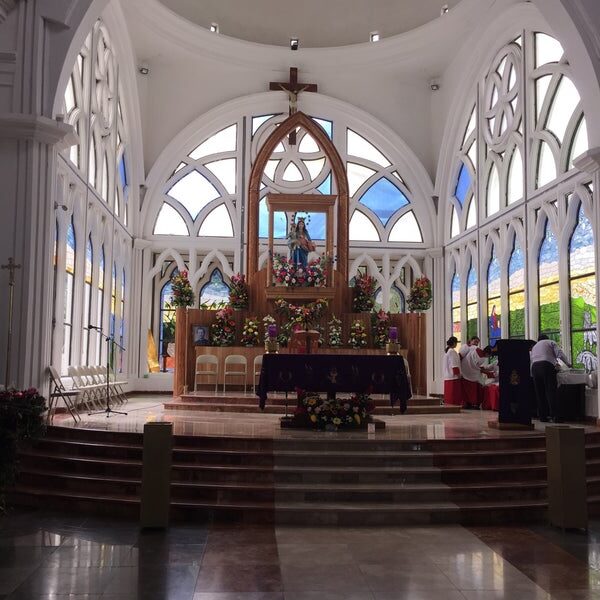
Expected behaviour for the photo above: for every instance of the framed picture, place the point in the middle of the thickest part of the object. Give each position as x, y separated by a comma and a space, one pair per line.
200, 335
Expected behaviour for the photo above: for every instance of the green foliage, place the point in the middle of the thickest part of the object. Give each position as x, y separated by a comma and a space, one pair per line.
472, 328
516, 323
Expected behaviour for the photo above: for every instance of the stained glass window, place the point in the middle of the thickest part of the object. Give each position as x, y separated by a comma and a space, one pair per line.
122, 324
472, 321
582, 273
455, 306
216, 292
166, 332
493, 297
548, 286
397, 301
100, 305
516, 293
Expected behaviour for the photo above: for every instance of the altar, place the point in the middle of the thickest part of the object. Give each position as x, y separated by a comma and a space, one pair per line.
335, 373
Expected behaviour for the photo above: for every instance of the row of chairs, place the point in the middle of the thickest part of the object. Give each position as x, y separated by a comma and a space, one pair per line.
90, 388
235, 368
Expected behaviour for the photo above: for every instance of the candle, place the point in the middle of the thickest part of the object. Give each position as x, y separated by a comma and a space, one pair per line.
393, 334
272, 330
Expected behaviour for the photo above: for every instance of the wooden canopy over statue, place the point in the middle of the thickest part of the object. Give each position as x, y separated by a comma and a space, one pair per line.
331, 257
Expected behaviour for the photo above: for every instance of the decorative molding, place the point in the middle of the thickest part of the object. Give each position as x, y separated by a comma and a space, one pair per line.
589, 161
38, 128
5, 7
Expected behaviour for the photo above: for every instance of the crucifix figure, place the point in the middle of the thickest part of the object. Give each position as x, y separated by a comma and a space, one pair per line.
12, 267
293, 88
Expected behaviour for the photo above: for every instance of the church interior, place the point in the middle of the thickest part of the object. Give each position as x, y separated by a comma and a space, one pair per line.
251, 254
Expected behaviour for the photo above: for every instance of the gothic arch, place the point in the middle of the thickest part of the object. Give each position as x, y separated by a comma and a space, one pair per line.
299, 119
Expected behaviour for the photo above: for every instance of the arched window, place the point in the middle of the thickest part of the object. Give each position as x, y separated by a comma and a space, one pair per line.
69, 291
54, 284
397, 300
548, 287
87, 300
216, 292
493, 300
516, 293
582, 283
113, 315
455, 306
472, 320
100, 306
122, 325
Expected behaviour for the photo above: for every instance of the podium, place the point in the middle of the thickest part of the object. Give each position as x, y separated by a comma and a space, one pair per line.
304, 341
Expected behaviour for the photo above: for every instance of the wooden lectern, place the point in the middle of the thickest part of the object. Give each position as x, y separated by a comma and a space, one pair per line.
304, 341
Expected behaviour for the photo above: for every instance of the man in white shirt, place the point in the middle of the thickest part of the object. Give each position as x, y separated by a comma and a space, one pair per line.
544, 362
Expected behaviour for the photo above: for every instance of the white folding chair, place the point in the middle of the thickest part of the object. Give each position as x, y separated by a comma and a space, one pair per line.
58, 391
207, 365
235, 360
256, 370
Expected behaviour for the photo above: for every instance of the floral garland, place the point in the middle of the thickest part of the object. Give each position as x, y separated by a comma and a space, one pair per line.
289, 274
222, 331
380, 327
420, 295
364, 293
303, 315
358, 335
335, 332
250, 332
183, 295
238, 291
333, 414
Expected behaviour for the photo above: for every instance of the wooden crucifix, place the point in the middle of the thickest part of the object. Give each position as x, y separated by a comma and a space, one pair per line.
293, 88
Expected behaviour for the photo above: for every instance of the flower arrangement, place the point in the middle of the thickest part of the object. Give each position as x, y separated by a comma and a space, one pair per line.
420, 295
289, 274
183, 295
222, 331
302, 316
238, 291
335, 332
251, 332
364, 293
333, 414
266, 321
380, 322
358, 335
21, 418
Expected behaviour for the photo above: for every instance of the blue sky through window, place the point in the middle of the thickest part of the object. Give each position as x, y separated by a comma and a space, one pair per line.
463, 184
384, 199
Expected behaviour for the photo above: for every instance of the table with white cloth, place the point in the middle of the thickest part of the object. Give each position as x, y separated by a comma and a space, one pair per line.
571, 394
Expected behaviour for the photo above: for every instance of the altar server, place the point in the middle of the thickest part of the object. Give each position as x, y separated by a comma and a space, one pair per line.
452, 385
473, 369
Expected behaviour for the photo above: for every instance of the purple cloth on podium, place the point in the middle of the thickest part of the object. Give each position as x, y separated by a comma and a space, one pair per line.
332, 373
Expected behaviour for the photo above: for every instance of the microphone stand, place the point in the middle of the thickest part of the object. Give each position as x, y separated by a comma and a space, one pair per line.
110, 341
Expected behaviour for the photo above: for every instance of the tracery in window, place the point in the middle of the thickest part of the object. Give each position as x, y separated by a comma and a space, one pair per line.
71, 247
87, 301
455, 306
472, 305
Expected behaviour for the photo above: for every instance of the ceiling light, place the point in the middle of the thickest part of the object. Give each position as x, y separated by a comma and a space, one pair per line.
144, 69
294, 43
444, 10
374, 36
214, 28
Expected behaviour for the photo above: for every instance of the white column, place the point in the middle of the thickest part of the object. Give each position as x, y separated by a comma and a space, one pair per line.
138, 329
28, 148
589, 162
434, 269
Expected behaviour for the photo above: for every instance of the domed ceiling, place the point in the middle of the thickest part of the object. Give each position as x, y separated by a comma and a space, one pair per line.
316, 23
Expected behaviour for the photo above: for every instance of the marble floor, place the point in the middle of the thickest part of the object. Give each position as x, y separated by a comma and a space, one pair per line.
140, 409
52, 556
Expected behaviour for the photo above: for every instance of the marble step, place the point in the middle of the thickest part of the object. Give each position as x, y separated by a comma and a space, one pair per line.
280, 409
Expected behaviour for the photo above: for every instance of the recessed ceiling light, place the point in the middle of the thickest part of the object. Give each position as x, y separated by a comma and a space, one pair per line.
444, 10
214, 28
294, 43
374, 36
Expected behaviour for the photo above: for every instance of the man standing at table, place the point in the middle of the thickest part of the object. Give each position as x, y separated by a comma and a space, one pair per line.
544, 363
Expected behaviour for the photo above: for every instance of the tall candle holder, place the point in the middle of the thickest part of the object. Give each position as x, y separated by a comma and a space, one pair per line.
392, 345
271, 343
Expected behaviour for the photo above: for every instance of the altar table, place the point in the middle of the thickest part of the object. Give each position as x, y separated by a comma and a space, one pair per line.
334, 373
